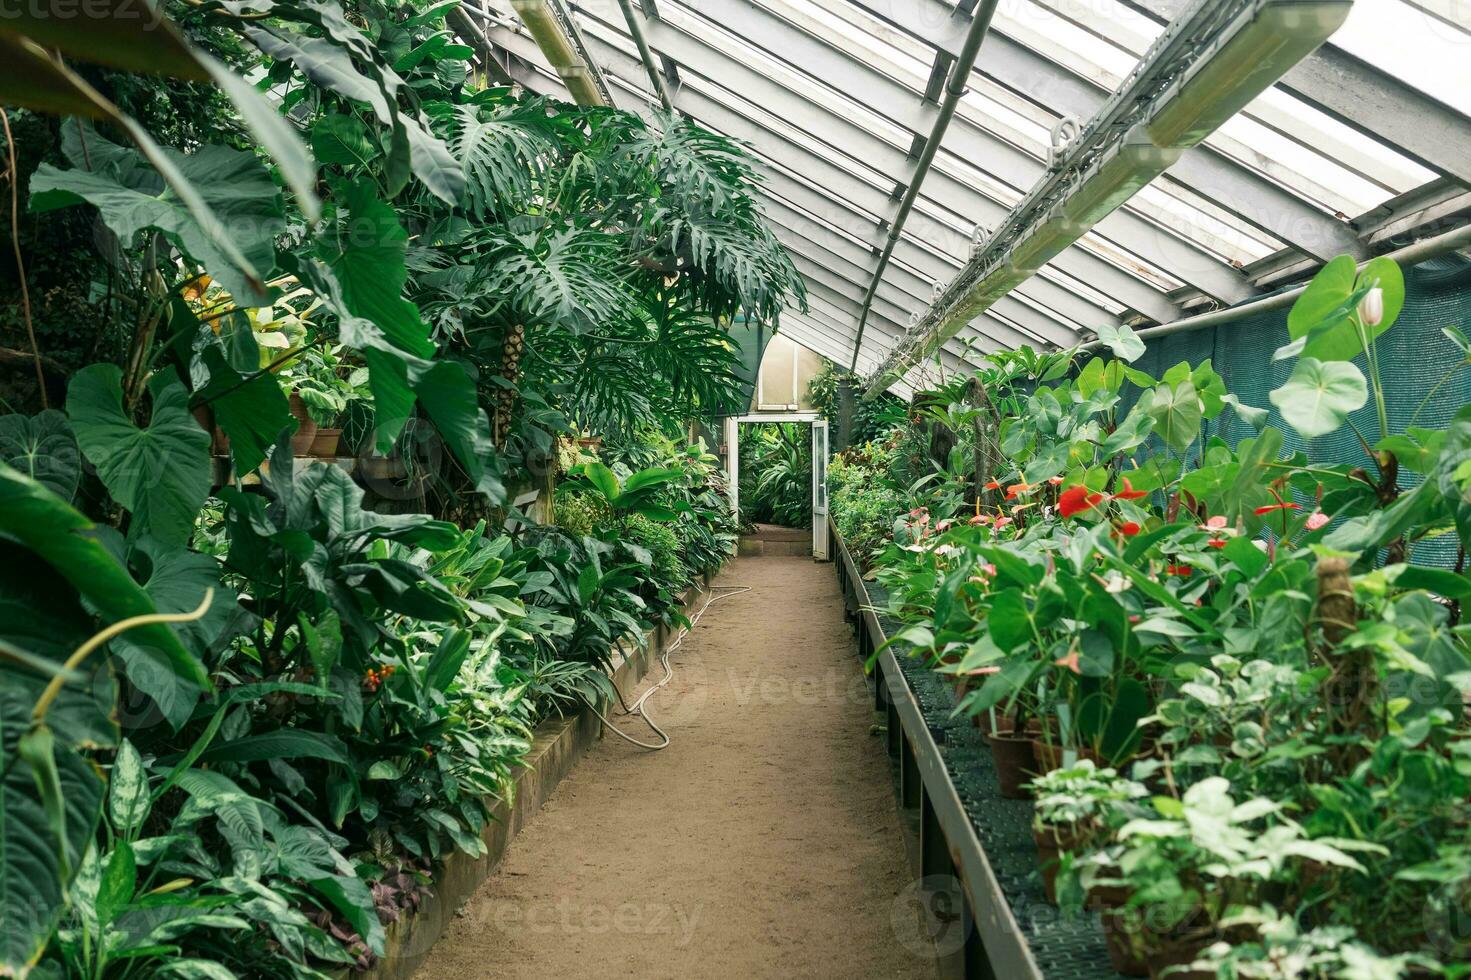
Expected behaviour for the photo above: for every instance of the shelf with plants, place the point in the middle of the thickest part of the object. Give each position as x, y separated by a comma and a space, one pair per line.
1233, 676
257, 691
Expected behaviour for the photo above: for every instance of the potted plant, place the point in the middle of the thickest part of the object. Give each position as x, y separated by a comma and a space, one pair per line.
1181, 870
325, 386
1076, 807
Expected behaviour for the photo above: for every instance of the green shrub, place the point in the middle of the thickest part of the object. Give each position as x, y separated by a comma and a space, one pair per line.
582, 514
668, 570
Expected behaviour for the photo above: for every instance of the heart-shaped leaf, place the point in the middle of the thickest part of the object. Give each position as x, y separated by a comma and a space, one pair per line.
43, 448
1319, 395
1176, 413
161, 473
1123, 341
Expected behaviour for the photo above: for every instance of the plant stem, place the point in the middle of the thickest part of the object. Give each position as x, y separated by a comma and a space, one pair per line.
20, 264
1371, 358
1431, 393
81, 653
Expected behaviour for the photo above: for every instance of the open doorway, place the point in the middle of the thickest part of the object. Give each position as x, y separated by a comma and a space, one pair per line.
789, 452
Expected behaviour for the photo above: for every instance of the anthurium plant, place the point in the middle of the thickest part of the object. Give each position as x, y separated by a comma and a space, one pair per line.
1241, 628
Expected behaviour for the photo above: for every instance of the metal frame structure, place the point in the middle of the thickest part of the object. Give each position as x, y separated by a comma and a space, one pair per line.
886, 169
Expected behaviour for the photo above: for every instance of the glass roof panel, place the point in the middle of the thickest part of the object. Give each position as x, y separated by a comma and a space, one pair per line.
803, 90
1425, 50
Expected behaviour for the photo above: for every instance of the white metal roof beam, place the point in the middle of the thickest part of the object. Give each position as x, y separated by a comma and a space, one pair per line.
564, 49
1371, 102
1157, 244
955, 87
1214, 176
1208, 64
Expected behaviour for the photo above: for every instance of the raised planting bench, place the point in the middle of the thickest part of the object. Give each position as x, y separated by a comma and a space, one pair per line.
968, 833
555, 751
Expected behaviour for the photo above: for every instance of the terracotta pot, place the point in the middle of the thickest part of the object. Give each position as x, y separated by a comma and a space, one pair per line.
381, 468
1013, 757
1051, 842
326, 442
1047, 756
306, 427
219, 443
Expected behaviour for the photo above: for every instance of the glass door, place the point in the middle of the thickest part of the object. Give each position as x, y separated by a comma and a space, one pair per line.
819, 491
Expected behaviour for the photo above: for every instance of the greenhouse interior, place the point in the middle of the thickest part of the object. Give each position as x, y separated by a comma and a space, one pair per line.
735, 489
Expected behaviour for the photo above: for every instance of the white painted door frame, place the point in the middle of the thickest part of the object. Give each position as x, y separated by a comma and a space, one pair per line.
819, 493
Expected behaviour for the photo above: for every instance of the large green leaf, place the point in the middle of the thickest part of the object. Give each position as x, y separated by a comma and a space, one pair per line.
343, 139
176, 580
50, 801
284, 743
1323, 322
448, 394
1325, 301
108, 32
249, 405
1122, 341
1319, 395
66, 540
43, 448
331, 65
1176, 413
232, 238
160, 474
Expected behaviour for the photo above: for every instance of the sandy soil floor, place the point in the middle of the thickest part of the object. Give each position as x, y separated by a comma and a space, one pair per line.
764, 842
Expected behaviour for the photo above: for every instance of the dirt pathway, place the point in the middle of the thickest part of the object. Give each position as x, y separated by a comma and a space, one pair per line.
763, 843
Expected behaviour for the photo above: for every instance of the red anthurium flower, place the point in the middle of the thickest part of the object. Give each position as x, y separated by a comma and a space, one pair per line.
993, 485
1268, 508
1214, 524
1002, 522
1316, 520
1018, 488
1217, 542
979, 519
1129, 528
1129, 493
1076, 499
1181, 570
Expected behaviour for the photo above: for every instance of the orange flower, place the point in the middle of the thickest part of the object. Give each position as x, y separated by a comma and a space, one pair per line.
1076, 499
1070, 662
1129, 493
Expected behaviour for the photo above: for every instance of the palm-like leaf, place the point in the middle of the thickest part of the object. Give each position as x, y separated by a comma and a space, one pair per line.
504, 152
569, 277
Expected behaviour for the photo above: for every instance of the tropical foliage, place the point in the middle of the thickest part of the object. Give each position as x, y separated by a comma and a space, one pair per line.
1244, 705
256, 687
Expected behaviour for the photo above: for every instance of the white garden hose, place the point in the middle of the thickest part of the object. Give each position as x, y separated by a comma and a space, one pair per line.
640, 708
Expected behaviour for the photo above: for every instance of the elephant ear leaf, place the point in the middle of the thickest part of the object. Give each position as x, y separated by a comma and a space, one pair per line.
160, 473
217, 205
72, 545
43, 448
1320, 395
50, 800
1122, 341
